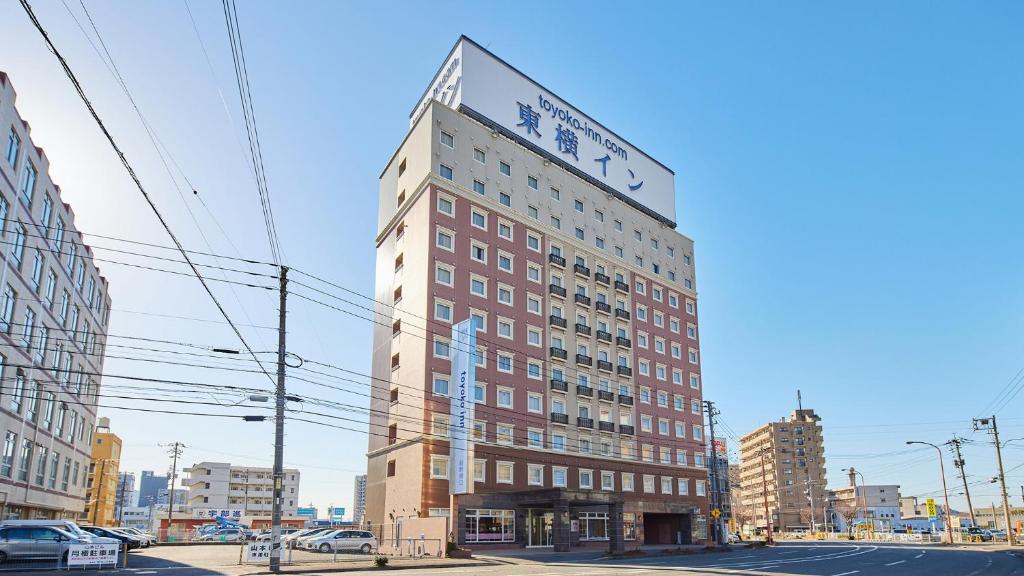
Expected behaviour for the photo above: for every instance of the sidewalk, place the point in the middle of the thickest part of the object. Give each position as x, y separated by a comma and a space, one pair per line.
393, 564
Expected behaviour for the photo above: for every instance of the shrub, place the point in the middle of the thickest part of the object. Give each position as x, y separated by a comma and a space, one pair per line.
380, 561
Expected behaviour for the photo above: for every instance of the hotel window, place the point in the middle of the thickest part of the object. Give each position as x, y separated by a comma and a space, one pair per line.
443, 311
505, 295
579, 234
659, 372
13, 144
681, 458
531, 181
504, 230
505, 262
445, 240
559, 475
504, 362
479, 220
680, 430
535, 474
479, 155
441, 348
691, 307
659, 320
627, 482
504, 434
491, 525
557, 404
478, 187
644, 367
599, 242
607, 481
671, 275
439, 425
687, 283
673, 300
584, 441
659, 343
556, 223
443, 274
505, 472
683, 486
618, 251
504, 397
533, 272
555, 194
700, 487
639, 260
598, 215
505, 168
641, 312
691, 331
663, 429
645, 395
698, 432
663, 399
533, 304
645, 423
504, 199
479, 470
533, 242
678, 402
28, 186
446, 172
648, 484
478, 287
647, 453
666, 485
673, 325
480, 393
578, 205
534, 370
535, 438
535, 403
531, 211
695, 406
692, 356
447, 139
504, 328
694, 381
641, 340
558, 442
586, 479
656, 293
478, 252
618, 225
479, 431
638, 236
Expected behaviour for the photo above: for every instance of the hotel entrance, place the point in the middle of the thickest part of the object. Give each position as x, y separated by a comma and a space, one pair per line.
541, 525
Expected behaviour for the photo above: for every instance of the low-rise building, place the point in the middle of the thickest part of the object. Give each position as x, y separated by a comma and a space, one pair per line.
102, 481
247, 490
875, 507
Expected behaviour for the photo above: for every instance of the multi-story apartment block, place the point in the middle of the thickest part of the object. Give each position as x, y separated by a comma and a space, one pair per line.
102, 483
359, 499
125, 491
219, 487
784, 462
506, 206
150, 486
54, 308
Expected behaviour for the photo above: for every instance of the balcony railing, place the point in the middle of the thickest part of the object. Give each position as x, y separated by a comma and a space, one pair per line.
604, 365
583, 329
558, 418
625, 400
602, 278
584, 391
560, 385
623, 314
581, 270
625, 429
604, 336
585, 422
556, 290
584, 359
559, 353
603, 307
606, 426
605, 395
581, 299
557, 321
623, 341
624, 370
556, 260
621, 286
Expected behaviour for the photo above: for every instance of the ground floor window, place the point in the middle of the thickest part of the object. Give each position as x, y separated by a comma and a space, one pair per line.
593, 525
490, 526
629, 526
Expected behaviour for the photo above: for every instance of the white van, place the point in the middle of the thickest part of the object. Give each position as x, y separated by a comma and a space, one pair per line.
65, 525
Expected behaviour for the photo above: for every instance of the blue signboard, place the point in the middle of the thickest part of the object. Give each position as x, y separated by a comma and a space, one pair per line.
336, 513
306, 512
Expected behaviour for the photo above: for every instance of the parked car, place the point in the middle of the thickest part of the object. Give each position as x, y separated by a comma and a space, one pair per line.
132, 541
997, 535
223, 535
36, 543
733, 538
266, 534
299, 541
65, 525
147, 539
975, 533
343, 541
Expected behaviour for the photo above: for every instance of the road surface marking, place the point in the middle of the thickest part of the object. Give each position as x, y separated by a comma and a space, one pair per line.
146, 572
896, 562
919, 555
847, 573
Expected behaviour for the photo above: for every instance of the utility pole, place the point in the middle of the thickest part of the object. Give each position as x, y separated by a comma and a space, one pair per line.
959, 463
120, 499
174, 449
764, 492
98, 489
275, 527
990, 424
716, 503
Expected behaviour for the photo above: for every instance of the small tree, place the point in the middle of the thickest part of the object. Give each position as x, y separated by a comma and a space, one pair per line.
848, 512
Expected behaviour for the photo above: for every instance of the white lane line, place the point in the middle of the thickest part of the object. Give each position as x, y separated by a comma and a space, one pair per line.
919, 555
896, 562
847, 573
790, 552
146, 572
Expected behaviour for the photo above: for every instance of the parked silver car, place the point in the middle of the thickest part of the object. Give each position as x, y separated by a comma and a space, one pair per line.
223, 535
36, 543
343, 541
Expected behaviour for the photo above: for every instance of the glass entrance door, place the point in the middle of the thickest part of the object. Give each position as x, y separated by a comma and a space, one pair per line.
541, 527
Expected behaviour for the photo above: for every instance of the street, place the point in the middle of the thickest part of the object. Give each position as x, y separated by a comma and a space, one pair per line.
810, 559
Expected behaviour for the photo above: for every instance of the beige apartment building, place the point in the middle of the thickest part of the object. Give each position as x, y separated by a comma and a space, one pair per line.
785, 462
506, 206
232, 491
54, 309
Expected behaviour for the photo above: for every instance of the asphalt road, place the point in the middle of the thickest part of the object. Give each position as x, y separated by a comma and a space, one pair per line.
788, 559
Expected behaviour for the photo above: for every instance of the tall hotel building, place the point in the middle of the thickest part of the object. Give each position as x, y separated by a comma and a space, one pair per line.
506, 205
53, 322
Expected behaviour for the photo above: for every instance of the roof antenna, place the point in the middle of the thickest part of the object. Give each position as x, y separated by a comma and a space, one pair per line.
799, 401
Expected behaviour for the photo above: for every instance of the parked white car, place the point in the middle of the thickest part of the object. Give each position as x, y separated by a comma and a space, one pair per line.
343, 541
265, 536
298, 540
147, 538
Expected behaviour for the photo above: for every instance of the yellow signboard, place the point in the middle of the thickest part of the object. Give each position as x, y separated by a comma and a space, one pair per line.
715, 513
930, 504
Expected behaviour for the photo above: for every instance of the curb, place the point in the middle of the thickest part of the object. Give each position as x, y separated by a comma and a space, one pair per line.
404, 566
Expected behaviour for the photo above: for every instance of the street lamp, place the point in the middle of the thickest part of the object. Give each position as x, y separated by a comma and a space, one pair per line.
945, 492
864, 485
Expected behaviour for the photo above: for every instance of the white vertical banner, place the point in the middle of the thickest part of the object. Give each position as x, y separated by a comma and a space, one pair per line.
460, 454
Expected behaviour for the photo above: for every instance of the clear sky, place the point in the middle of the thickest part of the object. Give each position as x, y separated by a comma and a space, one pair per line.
851, 175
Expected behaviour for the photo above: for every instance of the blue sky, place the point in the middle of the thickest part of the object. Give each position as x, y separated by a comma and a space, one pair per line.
850, 175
